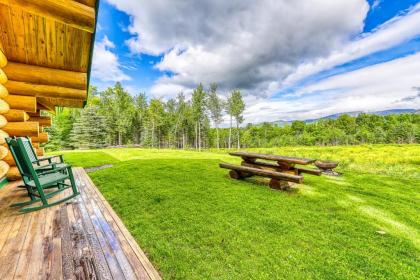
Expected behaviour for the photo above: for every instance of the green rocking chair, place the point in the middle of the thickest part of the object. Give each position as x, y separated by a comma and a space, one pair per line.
43, 163
37, 180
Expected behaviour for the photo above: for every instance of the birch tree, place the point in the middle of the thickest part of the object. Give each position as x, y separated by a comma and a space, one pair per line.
198, 107
215, 105
236, 107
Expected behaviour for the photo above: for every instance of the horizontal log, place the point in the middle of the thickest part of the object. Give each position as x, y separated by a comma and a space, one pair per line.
35, 144
3, 58
4, 168
20, 102
3, 121
3, 77
292, 160
3, 136
23, 88
44, 105
263, 173
3, 91
4, 106
13, 174
22, 129
45, 76
14, 115
63, 102
273, 167
69, 12
9, 158
3, 152
42, 138
39, 152
43, 121
34, 114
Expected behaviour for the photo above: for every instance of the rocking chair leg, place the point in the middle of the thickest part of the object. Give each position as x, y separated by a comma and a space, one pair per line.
30, 209
72, 182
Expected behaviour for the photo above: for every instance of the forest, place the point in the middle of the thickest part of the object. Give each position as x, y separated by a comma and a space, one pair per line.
115, 117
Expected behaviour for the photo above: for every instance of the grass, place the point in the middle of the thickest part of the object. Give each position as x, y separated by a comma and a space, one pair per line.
196, 223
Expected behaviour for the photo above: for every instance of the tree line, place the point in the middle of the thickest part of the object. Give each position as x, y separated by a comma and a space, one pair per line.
114, 117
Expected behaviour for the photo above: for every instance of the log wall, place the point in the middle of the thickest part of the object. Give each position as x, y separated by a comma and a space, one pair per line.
19, 116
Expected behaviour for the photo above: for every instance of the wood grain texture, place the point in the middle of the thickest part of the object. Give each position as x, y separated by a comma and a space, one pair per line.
3, 58
3, 121
69, 12
4, 106
21, 72
14, 115
3, 91
8, 157
4, 168
3, 136
81, 239
23, 88
43, 121
20, 102
13, 174
42, 138
4, 151
22, 129
3, 77
264, 173
292, 160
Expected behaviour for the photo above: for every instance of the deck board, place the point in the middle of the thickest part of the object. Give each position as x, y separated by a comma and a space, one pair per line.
81, 239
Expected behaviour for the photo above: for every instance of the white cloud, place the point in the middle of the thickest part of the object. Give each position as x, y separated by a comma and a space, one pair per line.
376, 4
388, 85
246, 44
105, 64
262, 46
390, 34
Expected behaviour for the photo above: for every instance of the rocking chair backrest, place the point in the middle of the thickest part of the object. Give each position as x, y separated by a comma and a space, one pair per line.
29, 148
23, 163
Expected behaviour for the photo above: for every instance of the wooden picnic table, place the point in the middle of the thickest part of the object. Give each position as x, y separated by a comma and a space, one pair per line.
285, 163
282, 174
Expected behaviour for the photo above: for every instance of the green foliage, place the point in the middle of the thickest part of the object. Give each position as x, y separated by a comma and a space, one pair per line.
183, 123
208, 226
89, 130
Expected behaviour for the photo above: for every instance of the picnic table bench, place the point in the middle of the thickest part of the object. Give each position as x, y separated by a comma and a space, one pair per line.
283, 173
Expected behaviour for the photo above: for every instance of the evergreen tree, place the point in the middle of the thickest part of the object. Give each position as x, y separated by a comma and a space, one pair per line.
89, 130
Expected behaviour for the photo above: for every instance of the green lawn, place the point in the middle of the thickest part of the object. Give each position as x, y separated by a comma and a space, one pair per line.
196, 223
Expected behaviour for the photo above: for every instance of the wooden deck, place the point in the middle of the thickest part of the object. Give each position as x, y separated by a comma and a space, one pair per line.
81, 239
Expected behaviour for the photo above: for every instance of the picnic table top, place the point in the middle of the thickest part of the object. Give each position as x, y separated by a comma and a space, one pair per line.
296, 160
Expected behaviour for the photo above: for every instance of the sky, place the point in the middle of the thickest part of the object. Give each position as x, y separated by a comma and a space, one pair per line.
292, 60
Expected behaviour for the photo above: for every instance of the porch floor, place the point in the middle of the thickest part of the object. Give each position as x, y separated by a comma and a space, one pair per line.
80, 239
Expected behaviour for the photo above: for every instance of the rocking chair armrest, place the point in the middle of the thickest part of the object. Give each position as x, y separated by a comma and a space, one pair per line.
49, 165
49, 158
54, 170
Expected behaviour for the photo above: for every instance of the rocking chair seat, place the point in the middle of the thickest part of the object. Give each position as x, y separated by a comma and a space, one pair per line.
49, 179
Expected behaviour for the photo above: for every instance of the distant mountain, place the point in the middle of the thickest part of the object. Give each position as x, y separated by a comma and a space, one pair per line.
353, 114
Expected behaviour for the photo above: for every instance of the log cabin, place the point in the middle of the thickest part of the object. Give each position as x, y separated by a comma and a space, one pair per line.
46, 51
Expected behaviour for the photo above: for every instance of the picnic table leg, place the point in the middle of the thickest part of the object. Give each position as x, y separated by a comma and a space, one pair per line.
248, 159
279, 184
285, 166
234, 174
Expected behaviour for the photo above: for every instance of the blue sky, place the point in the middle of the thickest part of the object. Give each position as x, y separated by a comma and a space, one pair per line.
291, 61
